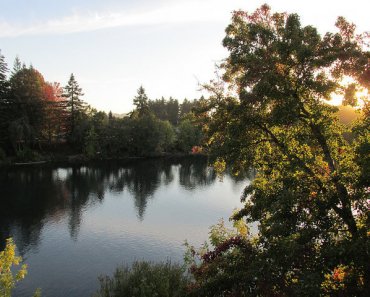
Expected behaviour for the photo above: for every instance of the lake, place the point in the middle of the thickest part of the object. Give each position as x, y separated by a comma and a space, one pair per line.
74, 223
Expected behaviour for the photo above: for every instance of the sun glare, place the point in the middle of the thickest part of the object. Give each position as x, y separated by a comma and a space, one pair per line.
362, 94
336, 100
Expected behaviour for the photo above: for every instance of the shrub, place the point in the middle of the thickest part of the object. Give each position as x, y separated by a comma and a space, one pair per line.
144, 279
8, 261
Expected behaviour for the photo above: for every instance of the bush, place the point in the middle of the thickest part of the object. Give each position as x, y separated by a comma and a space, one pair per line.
8, 260
8, 277
144, 279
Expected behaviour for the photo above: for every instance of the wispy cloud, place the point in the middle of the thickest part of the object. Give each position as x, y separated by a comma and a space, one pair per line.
182, 12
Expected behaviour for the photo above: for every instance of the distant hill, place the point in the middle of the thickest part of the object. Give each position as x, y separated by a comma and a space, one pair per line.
347, 114
120, 115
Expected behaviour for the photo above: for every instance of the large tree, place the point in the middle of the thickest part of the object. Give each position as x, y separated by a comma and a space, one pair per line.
26, 106
309, 197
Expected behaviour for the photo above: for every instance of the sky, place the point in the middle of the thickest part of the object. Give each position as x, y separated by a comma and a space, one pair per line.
114, 46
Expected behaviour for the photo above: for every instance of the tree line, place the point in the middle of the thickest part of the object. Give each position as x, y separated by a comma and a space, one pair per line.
38, 118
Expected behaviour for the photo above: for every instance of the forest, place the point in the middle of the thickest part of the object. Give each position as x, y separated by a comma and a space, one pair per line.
40, 120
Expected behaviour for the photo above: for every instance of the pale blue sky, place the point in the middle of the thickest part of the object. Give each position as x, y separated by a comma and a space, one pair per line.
113, 47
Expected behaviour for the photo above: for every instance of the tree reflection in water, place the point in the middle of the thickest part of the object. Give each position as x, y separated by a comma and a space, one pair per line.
30, 197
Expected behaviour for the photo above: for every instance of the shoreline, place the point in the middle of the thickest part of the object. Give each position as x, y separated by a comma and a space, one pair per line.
80, 159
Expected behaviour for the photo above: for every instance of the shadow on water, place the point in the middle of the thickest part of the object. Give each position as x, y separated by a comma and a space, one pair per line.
29, 196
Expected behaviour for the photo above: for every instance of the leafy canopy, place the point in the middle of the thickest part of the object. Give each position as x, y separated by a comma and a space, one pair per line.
268, 111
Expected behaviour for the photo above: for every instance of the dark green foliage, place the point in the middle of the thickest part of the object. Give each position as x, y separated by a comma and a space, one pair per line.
76, 106
165, 110
17, 66
114, 139
26, 108
187, 106
144, 279
141, 103
91, 143
3, 74
150, 135
188, 135
173, 111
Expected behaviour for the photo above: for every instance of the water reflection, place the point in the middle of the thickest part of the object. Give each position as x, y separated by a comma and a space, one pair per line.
31, 196
72, 223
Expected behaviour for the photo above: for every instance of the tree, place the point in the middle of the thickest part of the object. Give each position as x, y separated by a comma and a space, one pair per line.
4, 92
188, 135
165, 110
159, 108
3, 74
167, 135
26, 104
187, 107
75, 105
55, 126
173, 111
150, 135
309, 196
17, 66
141, 102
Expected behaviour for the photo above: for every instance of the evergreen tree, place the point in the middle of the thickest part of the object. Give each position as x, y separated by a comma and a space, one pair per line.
3, 80
75, 105
3, 68
17, 66
159, 108
173, 111
141, 102
187, 106
165, 110
4, 88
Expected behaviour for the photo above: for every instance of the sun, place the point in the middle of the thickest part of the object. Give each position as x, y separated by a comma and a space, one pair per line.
336, 100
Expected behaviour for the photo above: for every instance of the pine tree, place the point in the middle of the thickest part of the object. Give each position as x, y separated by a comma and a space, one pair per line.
4, 88
141, 102
3, 68
17, 66
75, 105
3, 73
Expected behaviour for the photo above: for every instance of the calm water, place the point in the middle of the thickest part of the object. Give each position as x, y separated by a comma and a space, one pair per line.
72, 224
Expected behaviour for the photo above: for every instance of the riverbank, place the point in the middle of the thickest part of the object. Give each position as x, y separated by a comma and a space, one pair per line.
80, 159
